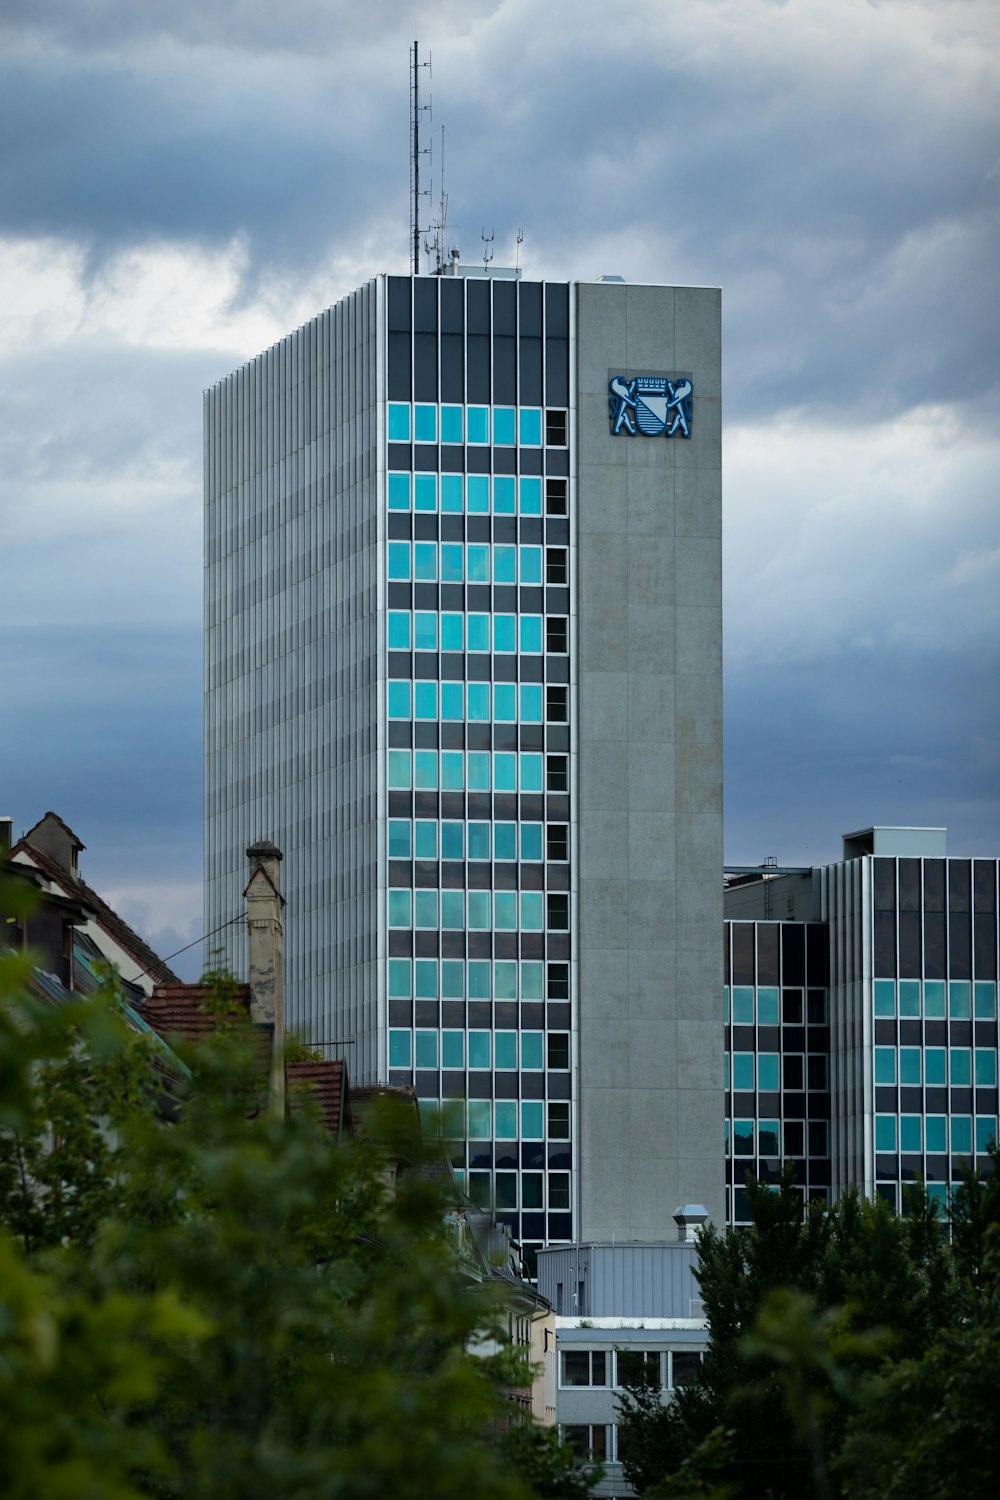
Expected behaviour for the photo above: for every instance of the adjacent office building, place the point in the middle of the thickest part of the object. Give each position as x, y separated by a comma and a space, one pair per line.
463, 665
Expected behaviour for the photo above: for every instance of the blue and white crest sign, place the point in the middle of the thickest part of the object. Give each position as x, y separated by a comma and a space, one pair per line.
651, 404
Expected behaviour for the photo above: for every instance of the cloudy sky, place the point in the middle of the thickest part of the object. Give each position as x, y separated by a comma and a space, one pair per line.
181, 184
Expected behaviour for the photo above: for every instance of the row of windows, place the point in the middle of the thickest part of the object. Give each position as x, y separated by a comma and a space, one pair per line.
504, 635
911, 998
494, 1120
476, 494
937, 1066
664, 1368
504, 1050
767, 1005
765, 1138
512, 703
771, 1070
480, 911
499, 426
499, 1190
472, 770
931, 1133
475, 562
477, 979
425, 839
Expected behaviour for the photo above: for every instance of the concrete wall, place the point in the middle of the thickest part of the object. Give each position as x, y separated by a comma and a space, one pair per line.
649, 741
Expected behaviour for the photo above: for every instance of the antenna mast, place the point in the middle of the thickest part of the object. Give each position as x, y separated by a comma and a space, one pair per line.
416, 109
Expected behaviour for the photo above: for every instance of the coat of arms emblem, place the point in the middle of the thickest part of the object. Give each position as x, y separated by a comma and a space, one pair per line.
651, 404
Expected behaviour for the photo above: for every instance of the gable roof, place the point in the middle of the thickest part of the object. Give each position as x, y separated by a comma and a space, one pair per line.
326, 1084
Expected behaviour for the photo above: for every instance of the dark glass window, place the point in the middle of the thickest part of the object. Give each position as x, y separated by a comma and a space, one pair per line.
557, 310
452, 305
884, 883
743, 953
984, 885
934, 885
557, 982
558, 911
558, 1049
452, 367
793, 953
531, 372
555, 428
934, 945
555, 565
425, 304
909, 885
557, 375
425, 367
909, 943
504, 371
556, 773
556, 503
399, 304
400, 385
556, 633
885, 943
767, 953
556, 704
529, 294
958, 885
818, 953
504, 307
478, 372
557, 841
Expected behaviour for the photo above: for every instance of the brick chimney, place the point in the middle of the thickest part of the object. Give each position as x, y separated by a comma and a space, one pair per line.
266, 933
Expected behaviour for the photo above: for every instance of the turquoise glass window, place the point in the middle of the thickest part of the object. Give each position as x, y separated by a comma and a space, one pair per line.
960, 1067
742, 1005
531, 840
425, 975
529, 424
986, 1068
479, 1120
505, 841
425, 631
504, 490
503, 427
505, 1119
505, 908
936, 1127
504, 564
768, 1136
530, 495
885, 1065
531, 702
399, 908
399, 422
767, 1070
478, 702
427, 1049
477, 764
505, 1050
453, 1049
743, 1138
399, 838
479, 840
985, 1000
532, 911
425, 840
425, 770
505, 702
452, 840
505, 771
425, 492
910, 1133
477, 494
452, 632
986, 1133
937, 1193
453, 910
532, 1119
400, 1049
399, 561
959, 999
452, 767
961, 1135
452, 562
452, 701
479, 1049
885, 1132
424, 561
909, 997
399, 707
935, 1066
400, 978
478, 912
531, 564
478, 424
477, 630
399, 491
452, 424
934, 998
478, 562
505, 979
505, 634
767, 1007
452, 979
531, 635
531, 773
425, 423
399, 630
399, 770
425, 908
451, 494
885, 997
743, 1070
909, 1065
479, 971
532, 980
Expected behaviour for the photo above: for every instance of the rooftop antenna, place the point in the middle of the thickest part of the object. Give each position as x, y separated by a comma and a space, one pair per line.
487, 240
437, 244
416, 110
517, 252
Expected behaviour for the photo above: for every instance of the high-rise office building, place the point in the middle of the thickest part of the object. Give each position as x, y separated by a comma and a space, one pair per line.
463, 665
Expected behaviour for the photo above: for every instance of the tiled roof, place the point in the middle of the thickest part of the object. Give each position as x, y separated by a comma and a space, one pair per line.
326, 1082
184, 1010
